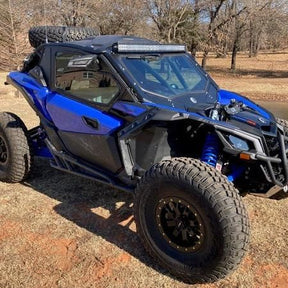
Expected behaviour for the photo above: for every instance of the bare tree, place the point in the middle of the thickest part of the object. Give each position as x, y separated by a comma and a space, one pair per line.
13, 43
191, 31
213, 10
117, 16
276, 30
217, 22
240, 26
168, 16
253, 20
210, 25
73, 12
268, 20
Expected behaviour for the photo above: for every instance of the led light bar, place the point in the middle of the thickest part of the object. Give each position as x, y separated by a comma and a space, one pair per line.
134, 48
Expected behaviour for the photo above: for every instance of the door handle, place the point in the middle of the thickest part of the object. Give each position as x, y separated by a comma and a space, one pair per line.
93, 123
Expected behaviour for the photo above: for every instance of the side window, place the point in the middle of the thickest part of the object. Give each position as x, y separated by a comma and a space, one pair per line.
89, 84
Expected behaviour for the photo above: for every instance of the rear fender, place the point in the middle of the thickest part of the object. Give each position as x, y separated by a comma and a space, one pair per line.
34, 92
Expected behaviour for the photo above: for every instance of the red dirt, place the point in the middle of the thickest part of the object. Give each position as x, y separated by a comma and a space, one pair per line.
108, 264
272, 276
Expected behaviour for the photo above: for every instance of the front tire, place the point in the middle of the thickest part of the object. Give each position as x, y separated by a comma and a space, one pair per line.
284, 123
15, 150
191, 220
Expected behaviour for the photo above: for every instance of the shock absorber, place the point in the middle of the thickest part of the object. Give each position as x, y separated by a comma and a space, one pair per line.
210, 150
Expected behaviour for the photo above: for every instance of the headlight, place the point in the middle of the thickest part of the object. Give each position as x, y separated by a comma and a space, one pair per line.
238, 143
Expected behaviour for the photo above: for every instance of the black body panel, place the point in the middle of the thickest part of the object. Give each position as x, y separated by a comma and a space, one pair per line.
150, 146
100, 150
45, 64
53, 136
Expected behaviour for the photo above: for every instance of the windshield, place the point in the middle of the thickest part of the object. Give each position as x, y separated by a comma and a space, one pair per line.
166, 75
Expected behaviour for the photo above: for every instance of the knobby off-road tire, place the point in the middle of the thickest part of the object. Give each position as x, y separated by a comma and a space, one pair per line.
37, 35
15, 149
191, 220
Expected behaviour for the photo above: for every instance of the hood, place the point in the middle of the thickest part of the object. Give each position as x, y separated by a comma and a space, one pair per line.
232, 110
251, 116
225, 97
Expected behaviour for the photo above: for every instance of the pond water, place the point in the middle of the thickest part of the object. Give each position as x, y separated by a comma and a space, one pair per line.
279, 109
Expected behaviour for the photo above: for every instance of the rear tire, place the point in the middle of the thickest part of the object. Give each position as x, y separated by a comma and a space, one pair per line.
37, 35
191, 220
15, 151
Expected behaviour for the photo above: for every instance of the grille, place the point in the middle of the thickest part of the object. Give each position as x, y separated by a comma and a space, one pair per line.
272, 145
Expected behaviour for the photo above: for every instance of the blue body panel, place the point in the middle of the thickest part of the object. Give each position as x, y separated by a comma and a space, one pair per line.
129, 108
225, 97
67, 116
41, 151
35, 91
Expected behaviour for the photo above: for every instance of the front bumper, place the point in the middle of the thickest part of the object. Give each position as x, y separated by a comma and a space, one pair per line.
280, 162
272, 157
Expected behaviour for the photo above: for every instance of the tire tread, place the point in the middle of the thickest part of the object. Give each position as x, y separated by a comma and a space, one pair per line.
37, 35
20, 147
222, 195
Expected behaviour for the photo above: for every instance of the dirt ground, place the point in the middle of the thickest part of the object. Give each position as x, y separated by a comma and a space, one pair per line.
261, 78
58, 230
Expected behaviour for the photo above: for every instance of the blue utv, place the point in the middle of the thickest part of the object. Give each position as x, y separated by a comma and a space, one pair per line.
144, 117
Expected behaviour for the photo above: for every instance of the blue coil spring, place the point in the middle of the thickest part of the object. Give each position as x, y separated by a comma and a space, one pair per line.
210, 150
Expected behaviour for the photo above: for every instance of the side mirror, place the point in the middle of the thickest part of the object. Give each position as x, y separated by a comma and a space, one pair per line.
86, 62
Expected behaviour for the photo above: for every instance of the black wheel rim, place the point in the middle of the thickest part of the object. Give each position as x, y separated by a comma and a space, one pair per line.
180, 224
3, 151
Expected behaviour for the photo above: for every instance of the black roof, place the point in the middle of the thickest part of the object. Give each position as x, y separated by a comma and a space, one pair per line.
104, 42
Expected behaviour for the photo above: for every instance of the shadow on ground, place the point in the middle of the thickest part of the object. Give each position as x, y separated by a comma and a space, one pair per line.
79, 196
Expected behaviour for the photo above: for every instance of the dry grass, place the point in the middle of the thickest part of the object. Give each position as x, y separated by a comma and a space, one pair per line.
263, 77
58, 230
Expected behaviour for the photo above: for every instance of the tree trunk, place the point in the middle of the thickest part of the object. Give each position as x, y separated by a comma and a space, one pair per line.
257, 44
234, 52
204, 59
250, 40
233, 60
193, 48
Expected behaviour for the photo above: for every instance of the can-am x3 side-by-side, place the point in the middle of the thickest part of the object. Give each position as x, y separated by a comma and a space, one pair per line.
144, 117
